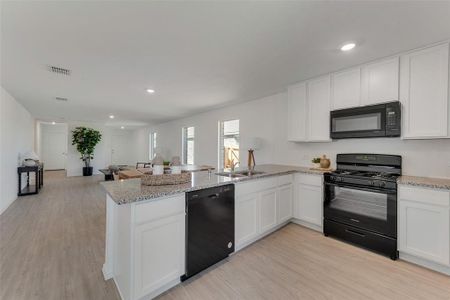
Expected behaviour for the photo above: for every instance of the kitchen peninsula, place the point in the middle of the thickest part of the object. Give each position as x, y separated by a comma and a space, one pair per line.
145, 225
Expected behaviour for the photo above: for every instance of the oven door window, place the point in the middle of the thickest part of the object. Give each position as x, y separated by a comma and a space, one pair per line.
359, 202
363, 122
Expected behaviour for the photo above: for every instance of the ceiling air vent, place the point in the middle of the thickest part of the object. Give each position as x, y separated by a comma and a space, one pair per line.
61, 99
59, 70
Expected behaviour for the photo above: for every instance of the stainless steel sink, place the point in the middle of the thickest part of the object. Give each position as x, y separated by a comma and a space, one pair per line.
239, 174
231, 174
250, 173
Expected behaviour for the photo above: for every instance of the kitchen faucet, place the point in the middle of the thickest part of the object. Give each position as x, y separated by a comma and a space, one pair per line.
233, 165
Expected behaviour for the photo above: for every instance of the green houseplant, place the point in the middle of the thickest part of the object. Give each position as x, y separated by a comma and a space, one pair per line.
85, 139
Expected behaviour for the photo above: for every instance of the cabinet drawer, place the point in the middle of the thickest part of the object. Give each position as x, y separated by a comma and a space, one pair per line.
424, 195
149, 211
244, 188
309, 179
285, 179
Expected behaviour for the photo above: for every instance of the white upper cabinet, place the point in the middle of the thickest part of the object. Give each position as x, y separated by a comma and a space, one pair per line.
319, 109
380, 82
297, 108
424, 93
309, 110
346, 89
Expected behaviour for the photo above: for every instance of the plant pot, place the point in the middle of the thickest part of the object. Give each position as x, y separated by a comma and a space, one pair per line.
87, 171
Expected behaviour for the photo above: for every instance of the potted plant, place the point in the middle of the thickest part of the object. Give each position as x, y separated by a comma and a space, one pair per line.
85, 140
316, 162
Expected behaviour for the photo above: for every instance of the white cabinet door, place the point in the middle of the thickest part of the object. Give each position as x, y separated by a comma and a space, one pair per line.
380, 82
246, 219
310, 204
159, 253
297, 108
346, 89
284, 203
424, 231
424, 92
268, 210
319, 109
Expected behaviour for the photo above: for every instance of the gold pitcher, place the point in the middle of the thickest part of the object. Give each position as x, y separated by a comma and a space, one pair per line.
324, 162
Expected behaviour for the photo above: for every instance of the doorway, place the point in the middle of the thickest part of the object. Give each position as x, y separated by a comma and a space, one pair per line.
121, 145
53, 145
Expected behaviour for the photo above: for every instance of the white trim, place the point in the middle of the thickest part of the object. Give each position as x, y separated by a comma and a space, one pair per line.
425, 263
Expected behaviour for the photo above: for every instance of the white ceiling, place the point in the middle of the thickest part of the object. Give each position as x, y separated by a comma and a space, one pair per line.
196, 55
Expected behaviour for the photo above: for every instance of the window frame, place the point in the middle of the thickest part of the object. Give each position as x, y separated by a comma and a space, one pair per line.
221, 139
153, 137
184, 144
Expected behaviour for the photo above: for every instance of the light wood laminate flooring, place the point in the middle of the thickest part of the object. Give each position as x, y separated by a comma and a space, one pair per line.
52, 247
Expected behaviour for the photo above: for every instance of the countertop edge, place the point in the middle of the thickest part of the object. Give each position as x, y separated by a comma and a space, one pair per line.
295, 170
426, 182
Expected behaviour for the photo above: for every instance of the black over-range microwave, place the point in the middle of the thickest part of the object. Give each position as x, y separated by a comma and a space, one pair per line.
381, 120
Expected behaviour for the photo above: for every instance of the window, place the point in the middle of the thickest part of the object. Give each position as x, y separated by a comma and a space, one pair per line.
152, 146
228, 144
188, 134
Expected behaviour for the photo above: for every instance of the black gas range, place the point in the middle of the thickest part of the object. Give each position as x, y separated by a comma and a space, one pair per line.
360, 201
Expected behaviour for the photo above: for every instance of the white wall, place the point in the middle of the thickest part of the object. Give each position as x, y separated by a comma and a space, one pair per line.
266, 118
16, 138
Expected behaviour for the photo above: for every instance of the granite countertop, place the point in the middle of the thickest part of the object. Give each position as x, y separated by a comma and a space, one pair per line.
436, 183
131, 190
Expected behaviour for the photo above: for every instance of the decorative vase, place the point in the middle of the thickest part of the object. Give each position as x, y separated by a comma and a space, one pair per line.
175, 169
158, 170
324, 162
87, 171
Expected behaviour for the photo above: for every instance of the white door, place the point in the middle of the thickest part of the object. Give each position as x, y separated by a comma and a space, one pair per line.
120, 150
54, 147
310, 203
159, 254
246, 223
297, 106
346, 89
380, 81
424, 92
424, 231
284, 203
319, 109
268, 211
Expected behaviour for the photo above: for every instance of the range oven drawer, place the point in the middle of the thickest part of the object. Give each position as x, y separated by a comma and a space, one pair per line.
366, 239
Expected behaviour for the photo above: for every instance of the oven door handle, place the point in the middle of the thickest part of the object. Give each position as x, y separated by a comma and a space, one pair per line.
356, 187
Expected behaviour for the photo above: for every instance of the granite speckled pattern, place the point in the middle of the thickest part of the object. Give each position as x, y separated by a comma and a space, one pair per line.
131, 190
429, 182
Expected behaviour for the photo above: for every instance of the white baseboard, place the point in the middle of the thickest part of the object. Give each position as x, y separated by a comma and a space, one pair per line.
307, 224
425, 263
249, 242
118, 289
107, 274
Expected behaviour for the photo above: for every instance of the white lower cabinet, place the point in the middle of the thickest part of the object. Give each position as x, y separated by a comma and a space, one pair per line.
246, 222
159, 254
268, 211
424, 224
145, 246
260, 207
285, 204
308, 200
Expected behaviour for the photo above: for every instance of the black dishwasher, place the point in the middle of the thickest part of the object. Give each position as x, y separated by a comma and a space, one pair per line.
209, 227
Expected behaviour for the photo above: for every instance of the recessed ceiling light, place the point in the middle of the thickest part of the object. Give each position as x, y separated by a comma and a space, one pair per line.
111, 117
53, 123
348, 46
122, 127
150, 91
